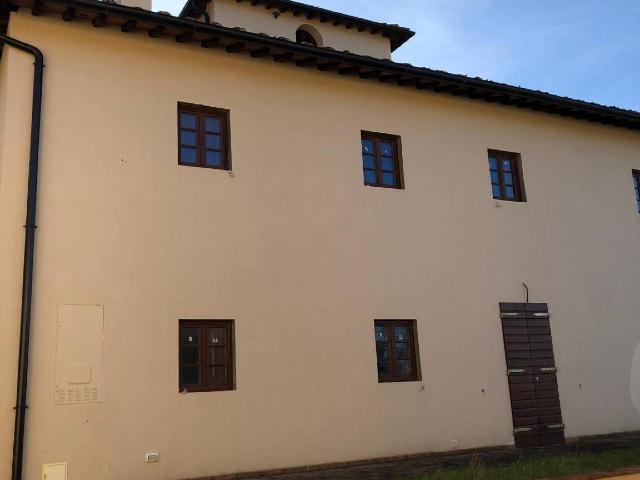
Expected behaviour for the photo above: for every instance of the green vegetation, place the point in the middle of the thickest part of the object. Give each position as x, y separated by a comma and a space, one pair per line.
533, 468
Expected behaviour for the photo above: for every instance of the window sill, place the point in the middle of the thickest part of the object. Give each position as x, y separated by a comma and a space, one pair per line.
413, 380
205, 390
383, 187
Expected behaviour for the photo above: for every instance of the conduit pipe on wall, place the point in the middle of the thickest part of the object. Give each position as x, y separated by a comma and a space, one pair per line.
29, 242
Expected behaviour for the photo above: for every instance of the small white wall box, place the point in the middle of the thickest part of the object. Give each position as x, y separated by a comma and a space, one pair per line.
152, 457
79, 354
54, 471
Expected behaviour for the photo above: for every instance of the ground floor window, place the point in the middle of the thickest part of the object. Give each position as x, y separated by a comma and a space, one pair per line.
206, 355
396, 350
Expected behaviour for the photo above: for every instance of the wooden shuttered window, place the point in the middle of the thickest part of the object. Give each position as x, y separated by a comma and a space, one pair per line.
532, 374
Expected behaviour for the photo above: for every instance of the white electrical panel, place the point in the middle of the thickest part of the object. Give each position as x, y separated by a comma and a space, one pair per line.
79, 354
54, 471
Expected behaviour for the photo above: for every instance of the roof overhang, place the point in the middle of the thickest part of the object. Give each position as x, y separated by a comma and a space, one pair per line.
4, 22
397, 35
130, 20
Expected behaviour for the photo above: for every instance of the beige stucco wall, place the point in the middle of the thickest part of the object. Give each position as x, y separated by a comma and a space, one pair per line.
258, 19
6, 327
303, 257
3, 105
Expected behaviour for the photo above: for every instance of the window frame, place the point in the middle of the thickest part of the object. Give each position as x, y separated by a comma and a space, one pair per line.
516, 171
310, 39
636, 184
396, 143
414, 350
201, 111
203, 386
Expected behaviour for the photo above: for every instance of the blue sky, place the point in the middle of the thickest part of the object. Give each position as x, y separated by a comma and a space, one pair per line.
585, 49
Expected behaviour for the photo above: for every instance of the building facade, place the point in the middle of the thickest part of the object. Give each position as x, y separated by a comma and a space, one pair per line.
262, 244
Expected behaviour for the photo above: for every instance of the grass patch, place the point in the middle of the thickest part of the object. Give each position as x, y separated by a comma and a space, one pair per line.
534, 468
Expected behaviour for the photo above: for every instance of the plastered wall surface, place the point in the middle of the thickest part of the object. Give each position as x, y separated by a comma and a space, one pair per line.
303, 256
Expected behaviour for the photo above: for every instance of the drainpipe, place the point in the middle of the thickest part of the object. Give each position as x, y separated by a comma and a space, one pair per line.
29, 240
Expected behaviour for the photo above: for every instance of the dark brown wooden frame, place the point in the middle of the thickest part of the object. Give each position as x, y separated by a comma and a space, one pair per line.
413, 349
516, 170
305, 37
396, 142
225, 135
229, 326
636, 184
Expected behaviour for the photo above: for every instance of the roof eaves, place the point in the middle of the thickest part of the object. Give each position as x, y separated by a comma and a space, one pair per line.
5, 10
234, 40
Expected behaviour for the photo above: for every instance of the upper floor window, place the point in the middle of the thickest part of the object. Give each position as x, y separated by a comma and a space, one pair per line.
308, 35
396, 350
506, 180
203, 136
206, 355
636, 184
381, 160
